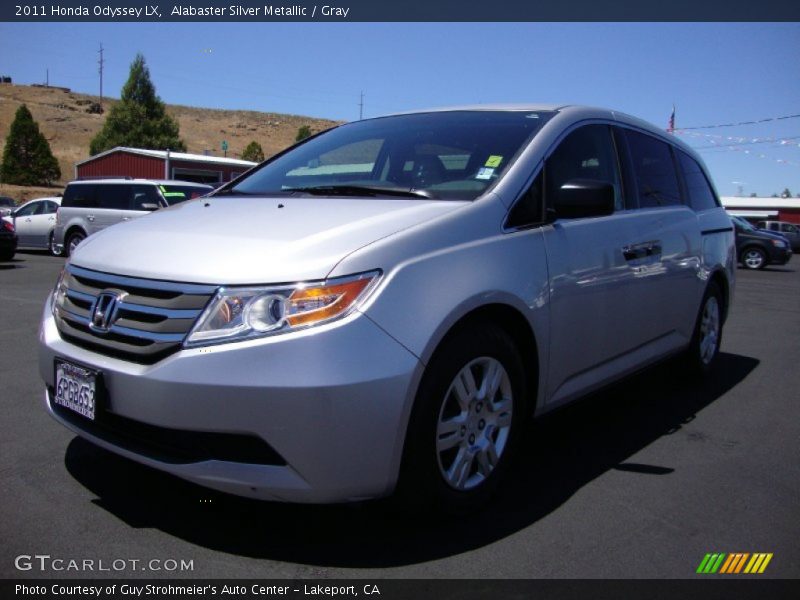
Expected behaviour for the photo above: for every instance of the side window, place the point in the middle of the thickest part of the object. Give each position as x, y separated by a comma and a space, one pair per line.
115, 197
32, 209
654, 170
788, 228
50, 207
145, 194
586, 153
528, 209
701, 195
80, 196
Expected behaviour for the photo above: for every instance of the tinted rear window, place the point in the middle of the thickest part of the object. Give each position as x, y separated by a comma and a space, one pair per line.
80, 196
701, 195
654, 170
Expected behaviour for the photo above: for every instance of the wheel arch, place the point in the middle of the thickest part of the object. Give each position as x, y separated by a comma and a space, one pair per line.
721, 280
512, 322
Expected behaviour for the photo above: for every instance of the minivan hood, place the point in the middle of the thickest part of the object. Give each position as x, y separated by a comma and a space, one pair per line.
250, 240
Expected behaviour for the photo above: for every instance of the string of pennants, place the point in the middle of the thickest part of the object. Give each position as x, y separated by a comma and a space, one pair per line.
737, 142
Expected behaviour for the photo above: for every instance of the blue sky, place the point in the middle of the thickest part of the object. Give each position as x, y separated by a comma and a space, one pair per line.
714, 73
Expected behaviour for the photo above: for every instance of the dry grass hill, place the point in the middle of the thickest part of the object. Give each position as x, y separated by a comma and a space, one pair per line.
63, 118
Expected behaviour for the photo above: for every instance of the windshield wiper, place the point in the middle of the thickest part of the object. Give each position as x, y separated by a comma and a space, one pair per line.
361, 190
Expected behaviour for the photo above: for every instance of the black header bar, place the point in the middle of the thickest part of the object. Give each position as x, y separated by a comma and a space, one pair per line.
399, 10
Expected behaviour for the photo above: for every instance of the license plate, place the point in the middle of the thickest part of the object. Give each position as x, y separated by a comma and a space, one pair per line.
76, 388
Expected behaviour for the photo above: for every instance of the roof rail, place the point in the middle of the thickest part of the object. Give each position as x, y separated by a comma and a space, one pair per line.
97, 177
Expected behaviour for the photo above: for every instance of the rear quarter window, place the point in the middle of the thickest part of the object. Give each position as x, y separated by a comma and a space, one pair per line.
701, 195
80, 196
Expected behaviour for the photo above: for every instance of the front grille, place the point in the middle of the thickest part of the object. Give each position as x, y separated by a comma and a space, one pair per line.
174, 446
151, 319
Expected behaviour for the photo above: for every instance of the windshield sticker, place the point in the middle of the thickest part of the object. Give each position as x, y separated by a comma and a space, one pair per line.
484, 173
493, 161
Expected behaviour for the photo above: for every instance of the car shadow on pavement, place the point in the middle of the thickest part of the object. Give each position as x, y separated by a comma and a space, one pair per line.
14, 263
562, 453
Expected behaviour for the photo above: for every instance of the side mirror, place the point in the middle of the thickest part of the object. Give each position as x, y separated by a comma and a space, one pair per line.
581, 198
148, 206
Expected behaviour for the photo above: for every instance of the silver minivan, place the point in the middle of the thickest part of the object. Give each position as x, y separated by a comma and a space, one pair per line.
90, 205
381, 306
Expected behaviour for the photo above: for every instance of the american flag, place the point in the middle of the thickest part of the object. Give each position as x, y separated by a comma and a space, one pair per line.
671, 126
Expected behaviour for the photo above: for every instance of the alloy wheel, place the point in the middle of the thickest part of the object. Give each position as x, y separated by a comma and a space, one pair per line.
474, 423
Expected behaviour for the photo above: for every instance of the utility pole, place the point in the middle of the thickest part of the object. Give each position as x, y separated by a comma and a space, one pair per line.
47, 78
361, 107
101, 62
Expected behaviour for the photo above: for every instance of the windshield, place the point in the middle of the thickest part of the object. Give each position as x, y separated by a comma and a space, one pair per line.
443, 155
174, 194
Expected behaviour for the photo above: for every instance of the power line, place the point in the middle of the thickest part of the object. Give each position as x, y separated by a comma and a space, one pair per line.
756, 122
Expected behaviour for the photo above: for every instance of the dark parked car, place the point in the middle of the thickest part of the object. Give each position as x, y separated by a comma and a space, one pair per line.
756, 248
8, 240
788, 230
6, 205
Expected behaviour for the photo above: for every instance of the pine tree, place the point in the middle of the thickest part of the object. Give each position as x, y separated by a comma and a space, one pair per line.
139, 119
27, 158
254, 152
302, 133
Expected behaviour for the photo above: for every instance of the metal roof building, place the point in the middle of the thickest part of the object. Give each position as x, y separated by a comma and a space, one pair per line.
161, 164
774, 209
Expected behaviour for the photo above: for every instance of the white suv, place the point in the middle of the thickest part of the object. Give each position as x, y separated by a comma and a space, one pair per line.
383, 305
94, 204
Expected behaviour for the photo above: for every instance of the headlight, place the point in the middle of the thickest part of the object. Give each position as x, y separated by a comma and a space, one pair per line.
237, 314
779, 244
59, 291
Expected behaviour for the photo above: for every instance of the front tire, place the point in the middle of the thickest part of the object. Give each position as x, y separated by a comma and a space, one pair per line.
754, 258
72, 242
465, 423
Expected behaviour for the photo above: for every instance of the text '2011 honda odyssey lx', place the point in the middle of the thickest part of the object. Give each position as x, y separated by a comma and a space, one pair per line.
381, 306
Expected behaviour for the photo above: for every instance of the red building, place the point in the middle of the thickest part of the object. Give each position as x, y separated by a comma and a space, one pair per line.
161, 164
763, 209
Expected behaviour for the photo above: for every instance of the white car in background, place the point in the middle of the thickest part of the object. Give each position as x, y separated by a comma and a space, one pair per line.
35, 221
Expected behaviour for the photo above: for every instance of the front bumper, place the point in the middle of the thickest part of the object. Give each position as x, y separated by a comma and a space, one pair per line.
332, 401
781, 257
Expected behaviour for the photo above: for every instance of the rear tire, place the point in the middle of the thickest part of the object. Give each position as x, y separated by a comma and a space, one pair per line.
6, 256
754, 258
465, 422
51, 245
704, 347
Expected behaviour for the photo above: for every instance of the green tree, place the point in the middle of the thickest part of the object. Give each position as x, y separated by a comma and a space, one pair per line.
27, 158
302, 133
139, 119
786, 193
253, 152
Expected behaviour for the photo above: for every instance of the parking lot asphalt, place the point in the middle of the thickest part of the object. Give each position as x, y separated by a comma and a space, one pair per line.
638, 481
